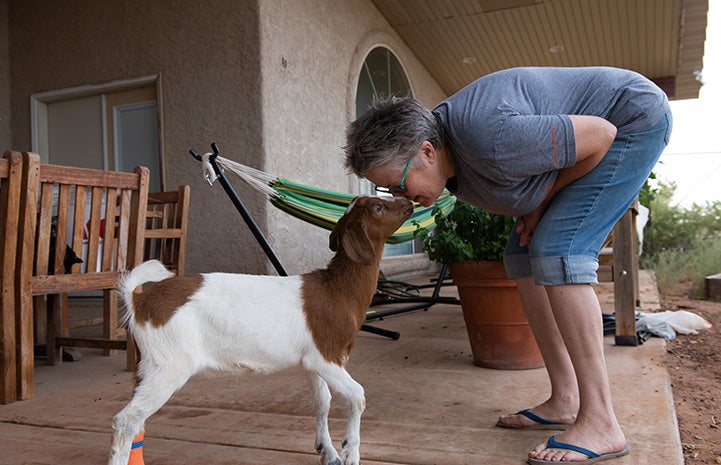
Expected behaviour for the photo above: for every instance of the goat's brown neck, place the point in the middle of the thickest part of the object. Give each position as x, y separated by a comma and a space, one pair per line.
353, 278
336, 300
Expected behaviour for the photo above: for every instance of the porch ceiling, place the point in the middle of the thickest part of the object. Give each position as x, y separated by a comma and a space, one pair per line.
460, 40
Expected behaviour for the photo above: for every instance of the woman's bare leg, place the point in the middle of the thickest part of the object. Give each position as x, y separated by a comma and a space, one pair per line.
578, 316
562, 406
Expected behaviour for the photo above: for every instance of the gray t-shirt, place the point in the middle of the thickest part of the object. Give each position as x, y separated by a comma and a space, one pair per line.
510, 132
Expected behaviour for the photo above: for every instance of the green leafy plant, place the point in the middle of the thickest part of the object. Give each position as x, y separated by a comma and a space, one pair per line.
682, 244
648, 191
467, 233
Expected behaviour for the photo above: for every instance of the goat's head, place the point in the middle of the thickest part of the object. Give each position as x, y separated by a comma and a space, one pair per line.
365, 226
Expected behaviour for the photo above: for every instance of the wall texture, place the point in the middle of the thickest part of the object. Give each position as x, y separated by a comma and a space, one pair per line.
271, 81
311, 55
207, 57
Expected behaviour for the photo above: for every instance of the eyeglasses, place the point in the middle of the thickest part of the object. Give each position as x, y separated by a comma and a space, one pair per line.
400, 189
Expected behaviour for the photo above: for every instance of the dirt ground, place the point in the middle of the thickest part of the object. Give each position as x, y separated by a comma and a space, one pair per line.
694, 363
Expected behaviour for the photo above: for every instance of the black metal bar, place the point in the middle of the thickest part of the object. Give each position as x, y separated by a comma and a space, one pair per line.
242, 210
415, 299
429, 301
439, 282
381, 332
377, 315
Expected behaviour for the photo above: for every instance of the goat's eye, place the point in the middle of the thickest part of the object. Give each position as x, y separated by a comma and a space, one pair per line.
379, 207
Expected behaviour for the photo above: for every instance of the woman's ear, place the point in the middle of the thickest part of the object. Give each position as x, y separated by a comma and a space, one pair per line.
428, 152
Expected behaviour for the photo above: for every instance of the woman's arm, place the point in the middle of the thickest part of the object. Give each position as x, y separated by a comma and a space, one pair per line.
594, 137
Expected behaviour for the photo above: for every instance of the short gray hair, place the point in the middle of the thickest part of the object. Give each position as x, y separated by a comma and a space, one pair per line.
390, 132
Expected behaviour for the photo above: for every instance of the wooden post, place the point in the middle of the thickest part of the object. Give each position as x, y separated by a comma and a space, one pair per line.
9, 198
625, 281
23, 278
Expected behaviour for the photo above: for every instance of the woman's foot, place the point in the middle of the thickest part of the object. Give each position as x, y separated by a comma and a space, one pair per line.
525, 419
580, 444
543, 416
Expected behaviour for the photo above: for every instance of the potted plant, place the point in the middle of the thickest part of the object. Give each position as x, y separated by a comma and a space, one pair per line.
471, 242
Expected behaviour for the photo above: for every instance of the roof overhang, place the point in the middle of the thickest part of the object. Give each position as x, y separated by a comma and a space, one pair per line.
461, 40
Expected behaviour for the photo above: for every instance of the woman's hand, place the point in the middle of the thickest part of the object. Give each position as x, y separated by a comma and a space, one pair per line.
527, 224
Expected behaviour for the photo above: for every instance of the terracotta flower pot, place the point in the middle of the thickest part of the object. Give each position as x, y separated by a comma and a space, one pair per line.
498, 331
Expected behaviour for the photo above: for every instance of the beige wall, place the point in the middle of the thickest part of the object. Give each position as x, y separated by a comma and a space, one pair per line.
206, 54
311, 54
271, 81
5, 141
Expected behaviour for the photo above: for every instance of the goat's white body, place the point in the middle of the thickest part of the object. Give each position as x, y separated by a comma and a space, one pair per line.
236, 323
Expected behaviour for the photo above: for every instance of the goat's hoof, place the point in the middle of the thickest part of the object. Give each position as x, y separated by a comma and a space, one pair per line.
328, 455
350, 457
330, 461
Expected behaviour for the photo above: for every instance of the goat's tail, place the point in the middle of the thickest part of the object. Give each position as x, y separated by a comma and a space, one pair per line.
151, 271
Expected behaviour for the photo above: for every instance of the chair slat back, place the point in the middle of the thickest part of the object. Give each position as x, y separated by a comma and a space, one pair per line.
93, 214
10, 185
166, 227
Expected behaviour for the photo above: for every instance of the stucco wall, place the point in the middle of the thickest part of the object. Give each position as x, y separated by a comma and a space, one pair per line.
206, 54
311, 54
287, 120
5, 141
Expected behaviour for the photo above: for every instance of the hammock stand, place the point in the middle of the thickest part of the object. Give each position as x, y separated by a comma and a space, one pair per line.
381, 298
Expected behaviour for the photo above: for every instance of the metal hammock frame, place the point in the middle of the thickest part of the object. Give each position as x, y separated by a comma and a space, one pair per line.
323, 208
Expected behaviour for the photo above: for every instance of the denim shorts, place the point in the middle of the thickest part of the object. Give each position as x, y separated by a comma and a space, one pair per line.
566, 243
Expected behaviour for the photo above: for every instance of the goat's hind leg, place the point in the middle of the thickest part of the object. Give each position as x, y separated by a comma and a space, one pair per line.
323, 441
152, 393
342, 383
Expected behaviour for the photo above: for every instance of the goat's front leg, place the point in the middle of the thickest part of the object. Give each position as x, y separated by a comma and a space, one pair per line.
341, 382
153, 391
323, 441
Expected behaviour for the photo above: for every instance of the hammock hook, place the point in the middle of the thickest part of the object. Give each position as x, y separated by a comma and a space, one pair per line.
211, 170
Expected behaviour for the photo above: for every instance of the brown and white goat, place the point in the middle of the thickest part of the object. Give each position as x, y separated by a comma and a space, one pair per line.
232, 322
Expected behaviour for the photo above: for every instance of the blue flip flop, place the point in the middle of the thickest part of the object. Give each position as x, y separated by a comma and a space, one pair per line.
592, 456
541, 423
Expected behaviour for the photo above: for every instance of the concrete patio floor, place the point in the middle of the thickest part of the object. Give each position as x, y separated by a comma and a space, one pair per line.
426, 404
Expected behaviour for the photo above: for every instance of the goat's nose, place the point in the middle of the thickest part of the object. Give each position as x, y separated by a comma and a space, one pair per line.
404, 205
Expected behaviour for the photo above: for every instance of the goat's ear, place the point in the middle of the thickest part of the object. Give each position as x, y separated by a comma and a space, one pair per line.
356, 243
336, 234
333, 241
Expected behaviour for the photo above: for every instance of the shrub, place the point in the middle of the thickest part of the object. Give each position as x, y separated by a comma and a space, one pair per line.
682, 244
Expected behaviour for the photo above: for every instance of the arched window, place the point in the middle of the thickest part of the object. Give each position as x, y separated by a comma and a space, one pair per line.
382, 76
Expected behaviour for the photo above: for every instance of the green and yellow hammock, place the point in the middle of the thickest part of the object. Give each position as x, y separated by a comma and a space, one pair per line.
322, 207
